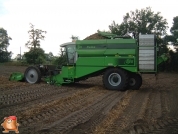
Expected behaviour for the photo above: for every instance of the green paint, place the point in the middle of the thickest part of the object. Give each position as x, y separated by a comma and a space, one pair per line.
94, 56
16, 76
129, 62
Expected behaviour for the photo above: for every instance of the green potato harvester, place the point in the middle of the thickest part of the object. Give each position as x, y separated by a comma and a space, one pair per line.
120, 61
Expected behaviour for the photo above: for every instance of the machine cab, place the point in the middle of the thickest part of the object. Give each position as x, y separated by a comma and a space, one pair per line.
70, 51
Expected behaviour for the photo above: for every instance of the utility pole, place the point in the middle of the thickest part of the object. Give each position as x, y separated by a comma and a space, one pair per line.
20, 53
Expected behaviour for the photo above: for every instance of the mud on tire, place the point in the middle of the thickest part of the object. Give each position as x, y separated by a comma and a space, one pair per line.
115, 79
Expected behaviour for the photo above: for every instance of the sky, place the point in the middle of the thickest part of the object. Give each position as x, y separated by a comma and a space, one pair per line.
64, 18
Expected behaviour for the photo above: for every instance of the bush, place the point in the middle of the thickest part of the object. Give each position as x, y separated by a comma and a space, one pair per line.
35, 56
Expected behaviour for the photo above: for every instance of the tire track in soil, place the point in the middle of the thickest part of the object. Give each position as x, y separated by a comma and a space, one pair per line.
152, 113
174, 102
169, 121
90, 125
163, 110
82, 115
161, 126
164, 103
154, 107
134, 112
113, 114
57, 102
60, 108
169, 126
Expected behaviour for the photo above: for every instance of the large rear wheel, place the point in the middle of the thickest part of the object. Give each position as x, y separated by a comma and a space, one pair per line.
115, 79
135, 81
32, 75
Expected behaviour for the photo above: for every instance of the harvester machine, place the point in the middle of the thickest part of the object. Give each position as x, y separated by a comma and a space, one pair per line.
120, 61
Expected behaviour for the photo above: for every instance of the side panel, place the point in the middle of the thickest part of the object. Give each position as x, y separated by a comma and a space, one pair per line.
91, 52
86, 70
68, 72
120, 61
120, 52
108, 53
94, 55
146, 59
65, 76
90, 61
147, 53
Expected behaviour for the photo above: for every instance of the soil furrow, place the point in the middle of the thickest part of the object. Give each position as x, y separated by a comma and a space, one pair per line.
133, 113
64, 107
82, 115
16, 109
164, 103
56, 93
22, 91
158, 105
165, 126
174, 105
90, 125
18, 87
28, 96
86, 107
64, 101
114, 114
147, 114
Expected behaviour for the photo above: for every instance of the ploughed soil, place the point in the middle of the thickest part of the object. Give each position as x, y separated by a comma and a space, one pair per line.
87, 107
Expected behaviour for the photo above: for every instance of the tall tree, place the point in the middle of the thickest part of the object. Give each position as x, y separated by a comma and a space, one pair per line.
4, 43
36, 55
35, 35
173, 39
174, 30
4, 39
143, 21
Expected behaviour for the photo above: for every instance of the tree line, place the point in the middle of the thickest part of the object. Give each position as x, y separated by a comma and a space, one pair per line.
4, 43
143, 21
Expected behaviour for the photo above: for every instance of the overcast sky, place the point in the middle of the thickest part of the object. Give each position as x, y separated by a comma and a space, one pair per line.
64, 18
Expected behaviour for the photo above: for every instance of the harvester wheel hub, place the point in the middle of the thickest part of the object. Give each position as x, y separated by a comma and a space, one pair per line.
114, 79
132, 82
31, 75
135, 81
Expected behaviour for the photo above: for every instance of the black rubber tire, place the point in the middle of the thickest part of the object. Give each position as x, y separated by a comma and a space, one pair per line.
111, 74
32, 75
135, 81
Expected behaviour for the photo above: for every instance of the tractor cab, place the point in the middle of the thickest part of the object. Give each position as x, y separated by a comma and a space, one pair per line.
70, 52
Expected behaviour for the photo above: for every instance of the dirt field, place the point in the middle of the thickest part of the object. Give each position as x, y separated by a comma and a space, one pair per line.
87, 107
